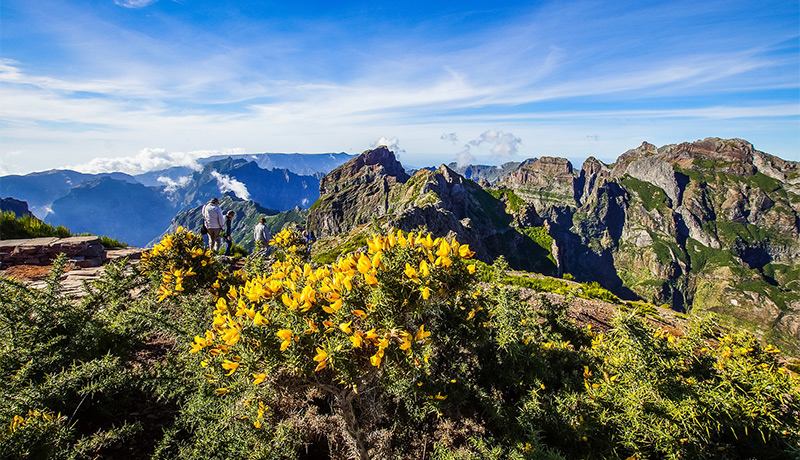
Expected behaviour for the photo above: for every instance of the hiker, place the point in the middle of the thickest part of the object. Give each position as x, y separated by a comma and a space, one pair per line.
307, 237
212, 217
228, 236
260, 233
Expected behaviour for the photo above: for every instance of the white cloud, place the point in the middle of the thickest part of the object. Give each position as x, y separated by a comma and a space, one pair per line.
392, 144
134, 3
500, 144
150, 159
451, 137
173, 185
464, 158
228, 184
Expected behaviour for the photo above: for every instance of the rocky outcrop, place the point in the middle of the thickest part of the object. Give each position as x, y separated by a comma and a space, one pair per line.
82, 251
691, 225
356, 192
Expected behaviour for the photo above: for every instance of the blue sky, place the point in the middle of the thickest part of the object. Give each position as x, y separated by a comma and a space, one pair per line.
138, 84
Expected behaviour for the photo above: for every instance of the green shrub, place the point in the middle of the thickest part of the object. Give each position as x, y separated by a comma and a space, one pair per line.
27, 226
112, 242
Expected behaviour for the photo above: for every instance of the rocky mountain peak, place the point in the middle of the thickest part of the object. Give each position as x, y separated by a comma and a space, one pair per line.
376, 163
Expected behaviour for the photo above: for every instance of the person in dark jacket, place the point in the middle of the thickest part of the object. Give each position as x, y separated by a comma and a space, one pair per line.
228, 236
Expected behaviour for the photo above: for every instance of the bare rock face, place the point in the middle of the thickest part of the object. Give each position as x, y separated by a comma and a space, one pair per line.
657, 172
355, 192
371, 164
83, 251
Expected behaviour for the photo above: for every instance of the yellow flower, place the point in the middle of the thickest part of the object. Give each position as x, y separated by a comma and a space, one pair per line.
471, 269
259, 320
345, 327
375, 359
426, 292
360, 313
423, 269
421, 333
220, 391
464, 251
230, 366
286, 336
410, 272
321, 355
406, 341
258, 378
443, 261
356, 339
364, 264
444, 249
370, 279
439, 396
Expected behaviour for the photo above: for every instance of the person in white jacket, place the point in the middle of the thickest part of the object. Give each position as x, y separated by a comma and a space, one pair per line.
214, 221
260, 233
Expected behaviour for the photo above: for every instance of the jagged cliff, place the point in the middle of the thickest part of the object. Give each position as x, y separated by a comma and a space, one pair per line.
708, 225
374, 188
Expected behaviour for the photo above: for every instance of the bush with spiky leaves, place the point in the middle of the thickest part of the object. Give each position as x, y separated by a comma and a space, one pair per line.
393, 319
179, 263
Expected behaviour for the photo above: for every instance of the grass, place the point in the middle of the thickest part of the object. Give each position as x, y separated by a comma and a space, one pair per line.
652, 197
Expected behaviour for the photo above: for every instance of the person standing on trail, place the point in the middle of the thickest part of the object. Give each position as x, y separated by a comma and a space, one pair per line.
260, 233
228, 236
212, 217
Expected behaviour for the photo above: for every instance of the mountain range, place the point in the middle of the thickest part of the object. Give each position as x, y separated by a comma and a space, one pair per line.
710, 225
138, 208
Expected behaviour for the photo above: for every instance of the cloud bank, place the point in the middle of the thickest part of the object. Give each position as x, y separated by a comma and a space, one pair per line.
150, 159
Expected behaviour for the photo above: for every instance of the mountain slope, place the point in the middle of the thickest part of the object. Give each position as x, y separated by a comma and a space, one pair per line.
275, 189
705, 226
40, 189
129, 212
375, 188
709, 225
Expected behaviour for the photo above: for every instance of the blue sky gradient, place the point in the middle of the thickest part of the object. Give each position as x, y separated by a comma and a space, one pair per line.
137, 84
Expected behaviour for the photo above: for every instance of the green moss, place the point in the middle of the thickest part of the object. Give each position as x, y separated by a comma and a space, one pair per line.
703, 257
515, 203
652, 197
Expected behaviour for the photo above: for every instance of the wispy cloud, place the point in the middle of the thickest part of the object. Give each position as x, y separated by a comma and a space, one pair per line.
283, 82
134, 3
229, 184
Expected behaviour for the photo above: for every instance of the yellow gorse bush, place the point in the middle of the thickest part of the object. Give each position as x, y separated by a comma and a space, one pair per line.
348, 320
181, 262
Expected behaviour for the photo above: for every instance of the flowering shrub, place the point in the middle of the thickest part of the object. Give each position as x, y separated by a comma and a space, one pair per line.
179, 263
651, 394
290, 244
367, 318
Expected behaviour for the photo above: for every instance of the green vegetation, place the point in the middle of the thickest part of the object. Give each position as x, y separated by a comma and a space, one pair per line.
397, 351
652, 197
110, 243
357, 241
515, 203
28, 226
12, 227
591, 290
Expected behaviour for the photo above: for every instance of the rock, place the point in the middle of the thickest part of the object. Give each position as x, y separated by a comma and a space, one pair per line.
657, 172
88, 250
